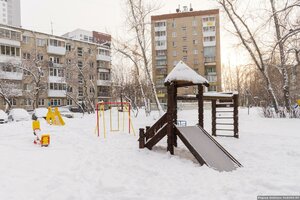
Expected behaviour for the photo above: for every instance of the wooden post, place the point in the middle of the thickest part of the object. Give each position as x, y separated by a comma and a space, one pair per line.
175, 115
170, 118
236, 115
213, 118
148, 135
142, 138
200, 106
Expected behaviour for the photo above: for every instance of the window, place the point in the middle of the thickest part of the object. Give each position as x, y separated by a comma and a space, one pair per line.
173, 34
174, 53
160, 33
195, 42
196, 61
195, 51
79, 51
159, 24
194, 23
161, 53
27, 87
184, 58
27, 102
209, 39
209, 51
183, 28
12, 101
25, 39
208, 19
174, 44
104, 76
41, 102
80, 92
91, 64
80, 65
209, 29
40, 57
55, 60
80, 78
40, 42
174, 24
160, 43
212, 88
69, 102
68, 47
184, 39
57, 43
26, 56
195, 32
56, 72
175, 63
57, 86
184, 49
55, 102
89, 50
69, 89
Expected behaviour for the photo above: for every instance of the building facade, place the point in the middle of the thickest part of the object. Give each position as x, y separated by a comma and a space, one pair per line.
38, 68
190, 36
10, 12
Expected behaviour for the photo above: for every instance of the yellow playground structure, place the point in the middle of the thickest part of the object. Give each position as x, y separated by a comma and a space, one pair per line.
54, 118
118, 112
44, 139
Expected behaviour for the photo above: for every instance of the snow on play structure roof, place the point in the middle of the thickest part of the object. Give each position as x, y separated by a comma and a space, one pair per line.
183, 73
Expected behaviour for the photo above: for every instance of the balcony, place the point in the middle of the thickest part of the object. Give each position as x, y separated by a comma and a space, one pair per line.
10, 42
57, 50
56, 93
104, 95
209, 43
161, 58
209, 23
209, 33
161, 95
211, 78
103, 57
104, 83
56, 79
160, 38
209, 59
10, 59
160, 28
18, 76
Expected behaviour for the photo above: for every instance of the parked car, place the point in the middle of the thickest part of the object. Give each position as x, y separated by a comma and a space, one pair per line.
65, 112
40, 113
3, 117
18, 114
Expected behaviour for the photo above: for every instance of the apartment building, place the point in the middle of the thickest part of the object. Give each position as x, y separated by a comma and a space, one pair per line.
190, 36
61, 70
10, 12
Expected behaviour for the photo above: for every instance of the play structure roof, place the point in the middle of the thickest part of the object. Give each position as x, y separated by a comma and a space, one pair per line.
184, 74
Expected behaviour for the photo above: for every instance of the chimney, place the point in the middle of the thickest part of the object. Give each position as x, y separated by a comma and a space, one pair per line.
178, 9
191, 8
185, 9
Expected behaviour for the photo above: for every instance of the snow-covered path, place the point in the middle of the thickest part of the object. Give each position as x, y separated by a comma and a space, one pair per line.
78, 165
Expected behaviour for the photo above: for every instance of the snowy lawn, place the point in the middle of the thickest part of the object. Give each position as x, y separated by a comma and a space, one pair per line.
78, 165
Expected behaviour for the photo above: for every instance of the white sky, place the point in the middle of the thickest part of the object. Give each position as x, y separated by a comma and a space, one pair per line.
107, 16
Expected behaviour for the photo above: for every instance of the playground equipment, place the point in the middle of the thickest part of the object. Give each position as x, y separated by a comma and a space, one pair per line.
54, 118
224, 111
203, 146
120, 108
44, 140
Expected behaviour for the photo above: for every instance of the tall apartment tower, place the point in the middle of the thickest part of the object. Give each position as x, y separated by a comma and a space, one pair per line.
190, 36
10, 12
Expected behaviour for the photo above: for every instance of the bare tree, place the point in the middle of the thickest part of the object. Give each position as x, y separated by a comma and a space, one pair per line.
138, 17
262, 50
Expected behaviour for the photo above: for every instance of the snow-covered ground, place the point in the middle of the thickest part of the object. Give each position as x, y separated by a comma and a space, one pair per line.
79, 165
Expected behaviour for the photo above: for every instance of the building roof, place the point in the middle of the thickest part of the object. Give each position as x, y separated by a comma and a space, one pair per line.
184, 14
184, 74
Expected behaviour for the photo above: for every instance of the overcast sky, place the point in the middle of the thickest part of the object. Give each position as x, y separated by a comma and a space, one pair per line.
104, 16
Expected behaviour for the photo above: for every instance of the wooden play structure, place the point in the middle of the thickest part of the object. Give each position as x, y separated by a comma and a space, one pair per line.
120, 108
202, 145
224, 111
54, 117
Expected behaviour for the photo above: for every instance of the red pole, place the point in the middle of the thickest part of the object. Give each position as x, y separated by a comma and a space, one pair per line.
129, 117
98, 130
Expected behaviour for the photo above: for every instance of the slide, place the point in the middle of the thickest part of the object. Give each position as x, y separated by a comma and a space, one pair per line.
206, 149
